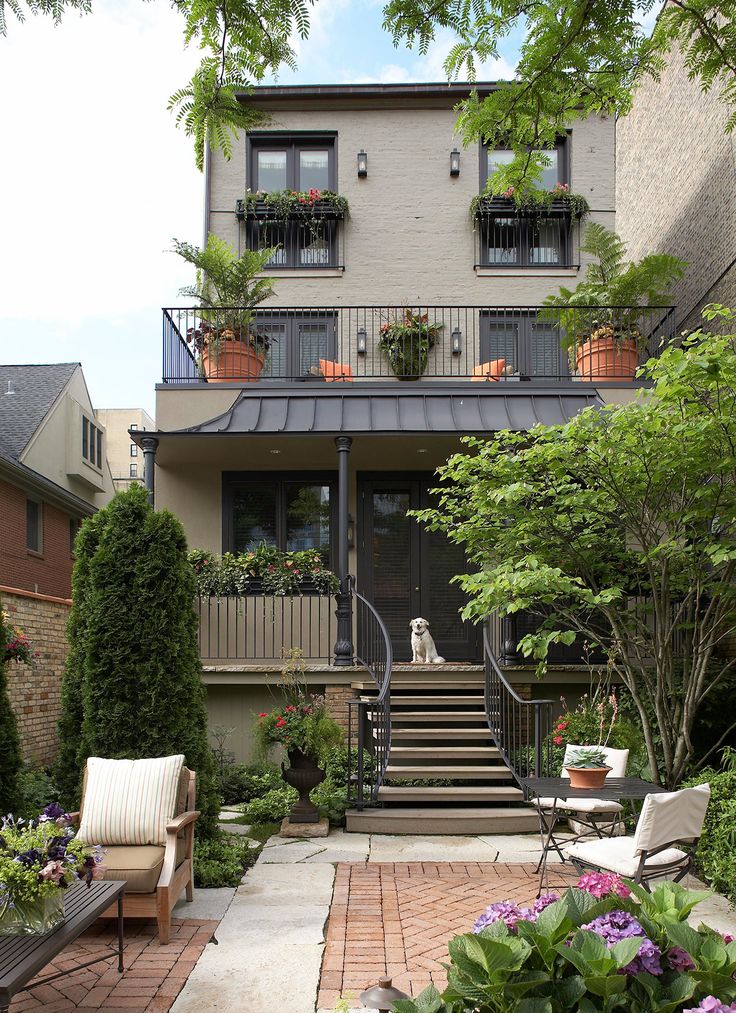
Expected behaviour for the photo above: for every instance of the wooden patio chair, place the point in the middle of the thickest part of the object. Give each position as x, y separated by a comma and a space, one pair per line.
666, 819
155, 875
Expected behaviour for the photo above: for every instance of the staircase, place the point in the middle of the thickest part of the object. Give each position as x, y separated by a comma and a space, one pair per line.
440, 733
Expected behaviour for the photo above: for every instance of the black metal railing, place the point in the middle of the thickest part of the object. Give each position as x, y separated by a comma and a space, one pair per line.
308, 241
448, 343
369, 719
519, 728
255, 628
506, 237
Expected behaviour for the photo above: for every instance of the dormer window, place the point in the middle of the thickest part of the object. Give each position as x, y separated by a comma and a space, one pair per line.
91, 443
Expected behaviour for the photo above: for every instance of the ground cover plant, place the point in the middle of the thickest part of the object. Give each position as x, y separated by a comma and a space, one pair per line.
619, 527
716, 855
603, 945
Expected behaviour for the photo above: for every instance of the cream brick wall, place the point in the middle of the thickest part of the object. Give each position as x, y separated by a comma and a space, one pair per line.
410, 238
35, 693
117, 422
676, 185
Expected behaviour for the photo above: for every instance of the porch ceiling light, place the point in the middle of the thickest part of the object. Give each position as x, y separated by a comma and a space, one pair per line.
362, 341
362, 164
454, 162
456, 339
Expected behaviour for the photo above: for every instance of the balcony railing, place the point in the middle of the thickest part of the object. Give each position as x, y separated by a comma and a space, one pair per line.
506, 237
447, 343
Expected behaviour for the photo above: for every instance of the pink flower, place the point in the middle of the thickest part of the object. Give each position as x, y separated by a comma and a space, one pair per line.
601, 884
52, 871
558, 740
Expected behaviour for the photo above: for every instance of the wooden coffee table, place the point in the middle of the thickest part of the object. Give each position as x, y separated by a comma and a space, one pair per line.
22, 957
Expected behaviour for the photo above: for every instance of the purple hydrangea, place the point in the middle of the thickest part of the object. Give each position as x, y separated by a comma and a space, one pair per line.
618, 925
679, 959
510, 913
711, 1005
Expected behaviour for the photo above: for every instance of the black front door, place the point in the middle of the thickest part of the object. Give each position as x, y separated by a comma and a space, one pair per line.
405, 570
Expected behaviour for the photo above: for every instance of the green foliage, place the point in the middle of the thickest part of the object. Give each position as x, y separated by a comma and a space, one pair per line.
280, 206
272, 807
596, 719
556, 960
264, 569
407, 340
527, 198
303, 725
616, 527
717, 848
10, 759
221, 860
132, 684
36, 789
577, 59
55, 8
585, 757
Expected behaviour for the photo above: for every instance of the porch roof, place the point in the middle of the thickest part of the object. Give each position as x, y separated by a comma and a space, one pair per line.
390, 411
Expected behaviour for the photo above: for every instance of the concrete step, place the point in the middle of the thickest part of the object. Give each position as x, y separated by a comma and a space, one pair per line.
438, 734
436, 701
451, 821
452, 793
460, 773
445, 753
399, 684
434, 716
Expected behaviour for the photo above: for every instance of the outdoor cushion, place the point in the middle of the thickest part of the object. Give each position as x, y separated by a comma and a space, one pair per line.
671, 816
581, 805
492, 370
617, 855
130, 801
336, 372
139, 866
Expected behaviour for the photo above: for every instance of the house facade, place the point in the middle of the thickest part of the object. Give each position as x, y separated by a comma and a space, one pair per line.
395, 329
123, 455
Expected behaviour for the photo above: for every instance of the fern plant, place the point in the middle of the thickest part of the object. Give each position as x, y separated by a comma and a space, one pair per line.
615, 289
227, 290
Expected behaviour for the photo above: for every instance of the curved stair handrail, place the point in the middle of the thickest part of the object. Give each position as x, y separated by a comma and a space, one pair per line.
371, 717
520, 728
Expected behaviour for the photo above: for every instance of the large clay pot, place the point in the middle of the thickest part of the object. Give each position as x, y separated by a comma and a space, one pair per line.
587, 777
232, 359
303, 774
606, 359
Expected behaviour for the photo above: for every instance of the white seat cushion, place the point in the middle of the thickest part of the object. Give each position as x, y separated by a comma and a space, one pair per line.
616, 854
580, 805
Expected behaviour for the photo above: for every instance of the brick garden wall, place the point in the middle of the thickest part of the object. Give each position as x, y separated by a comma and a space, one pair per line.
35, 693
337, 703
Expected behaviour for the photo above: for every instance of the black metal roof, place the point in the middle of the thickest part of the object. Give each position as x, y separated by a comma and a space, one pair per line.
424, 89
34, 389
392, 411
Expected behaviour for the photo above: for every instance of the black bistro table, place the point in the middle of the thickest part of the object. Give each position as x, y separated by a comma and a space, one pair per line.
22, 957
556, 788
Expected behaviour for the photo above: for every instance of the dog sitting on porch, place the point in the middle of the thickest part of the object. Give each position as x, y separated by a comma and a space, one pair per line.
422, 644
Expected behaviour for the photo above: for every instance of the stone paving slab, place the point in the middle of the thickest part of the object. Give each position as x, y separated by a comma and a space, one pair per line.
153, 977
209, 904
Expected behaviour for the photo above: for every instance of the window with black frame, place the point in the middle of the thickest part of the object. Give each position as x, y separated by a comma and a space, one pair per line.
292, 512
296, 342
520, 238
531, 347
299, 162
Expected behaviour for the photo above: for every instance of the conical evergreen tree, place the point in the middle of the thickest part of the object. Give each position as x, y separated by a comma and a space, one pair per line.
10, 757
133, 687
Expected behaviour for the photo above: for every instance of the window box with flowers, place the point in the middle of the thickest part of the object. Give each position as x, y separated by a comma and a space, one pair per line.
264, 570
300, 225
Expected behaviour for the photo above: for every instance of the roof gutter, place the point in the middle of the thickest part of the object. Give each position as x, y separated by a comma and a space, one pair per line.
34, 482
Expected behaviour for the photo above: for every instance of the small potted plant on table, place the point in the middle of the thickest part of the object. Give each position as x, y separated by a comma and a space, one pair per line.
39, 860
587, 767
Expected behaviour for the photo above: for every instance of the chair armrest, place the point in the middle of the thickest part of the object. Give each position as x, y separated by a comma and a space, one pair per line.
74, 817
179, 822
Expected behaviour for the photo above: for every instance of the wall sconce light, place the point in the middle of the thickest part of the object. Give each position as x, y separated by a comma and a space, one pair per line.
351, 532
456, 338
362, 164
454, 162
362, 341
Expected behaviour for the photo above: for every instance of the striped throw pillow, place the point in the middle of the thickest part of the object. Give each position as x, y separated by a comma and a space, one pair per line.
129, 801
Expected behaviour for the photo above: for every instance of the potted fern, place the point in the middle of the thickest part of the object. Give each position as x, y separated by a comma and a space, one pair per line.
227, 290
602, 317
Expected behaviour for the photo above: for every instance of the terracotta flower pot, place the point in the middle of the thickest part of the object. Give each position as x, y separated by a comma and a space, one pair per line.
587, 777
607, 359
232, 359
303, 774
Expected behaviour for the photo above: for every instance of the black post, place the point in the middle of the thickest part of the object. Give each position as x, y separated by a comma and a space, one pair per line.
344, 611
509, 640
149, 445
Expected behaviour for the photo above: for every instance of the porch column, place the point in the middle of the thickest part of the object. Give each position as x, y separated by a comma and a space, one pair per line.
344, 610
509, 640
149, 445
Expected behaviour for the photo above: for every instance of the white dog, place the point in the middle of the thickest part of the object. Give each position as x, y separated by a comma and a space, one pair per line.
422, 645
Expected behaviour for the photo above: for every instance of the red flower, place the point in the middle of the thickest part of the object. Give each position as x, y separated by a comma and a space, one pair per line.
281, 722
558, 740
562, 726
291, 708
262, 714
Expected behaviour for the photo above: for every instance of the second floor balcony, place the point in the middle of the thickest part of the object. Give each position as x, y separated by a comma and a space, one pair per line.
385, 344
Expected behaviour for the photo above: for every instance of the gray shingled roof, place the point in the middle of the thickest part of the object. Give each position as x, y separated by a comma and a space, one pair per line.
35, 389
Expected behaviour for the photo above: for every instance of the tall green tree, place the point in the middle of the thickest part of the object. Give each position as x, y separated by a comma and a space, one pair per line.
579, 57
10, 757
132, 686
619, 527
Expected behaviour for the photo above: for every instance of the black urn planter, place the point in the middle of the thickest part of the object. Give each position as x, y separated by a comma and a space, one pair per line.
304, 774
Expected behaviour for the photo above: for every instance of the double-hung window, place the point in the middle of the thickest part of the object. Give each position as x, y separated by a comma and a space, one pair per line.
292, 511
298, 162
513, 238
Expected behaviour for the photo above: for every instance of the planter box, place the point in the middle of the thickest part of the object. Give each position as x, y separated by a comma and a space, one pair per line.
260, 211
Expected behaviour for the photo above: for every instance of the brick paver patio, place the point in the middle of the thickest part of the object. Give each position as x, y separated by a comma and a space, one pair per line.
396, 919
153, 977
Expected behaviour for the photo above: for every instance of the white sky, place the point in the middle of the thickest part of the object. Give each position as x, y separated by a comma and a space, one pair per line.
96, 180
